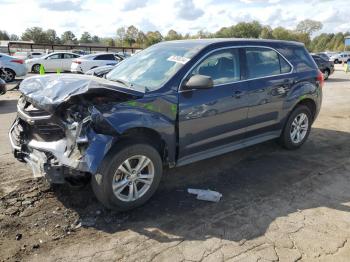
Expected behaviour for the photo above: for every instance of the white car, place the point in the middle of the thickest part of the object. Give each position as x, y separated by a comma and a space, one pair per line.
12, 67
339, 58
87, 62
28, 55
52, 62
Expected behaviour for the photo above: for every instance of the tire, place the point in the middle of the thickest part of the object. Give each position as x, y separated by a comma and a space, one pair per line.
326, 74
8, 75
110, 175
36, 68
336, 61
286, 136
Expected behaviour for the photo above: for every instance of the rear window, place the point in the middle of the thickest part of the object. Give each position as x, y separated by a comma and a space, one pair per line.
262, 62
299, 57
105, 57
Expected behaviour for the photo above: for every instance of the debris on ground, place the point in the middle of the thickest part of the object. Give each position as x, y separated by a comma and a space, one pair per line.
206, 195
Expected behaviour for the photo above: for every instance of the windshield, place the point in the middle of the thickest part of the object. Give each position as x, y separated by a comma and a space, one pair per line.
149, 69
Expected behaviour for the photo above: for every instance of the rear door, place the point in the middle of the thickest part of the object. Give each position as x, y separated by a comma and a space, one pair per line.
67, 61
213, 118
269, 79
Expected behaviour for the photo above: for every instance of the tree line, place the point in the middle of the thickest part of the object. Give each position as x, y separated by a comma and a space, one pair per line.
134, 37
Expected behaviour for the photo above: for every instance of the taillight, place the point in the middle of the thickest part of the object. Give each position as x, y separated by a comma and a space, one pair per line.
320, 78
77, 62
19, 61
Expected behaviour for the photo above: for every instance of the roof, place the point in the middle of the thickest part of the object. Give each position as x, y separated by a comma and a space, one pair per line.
208, 41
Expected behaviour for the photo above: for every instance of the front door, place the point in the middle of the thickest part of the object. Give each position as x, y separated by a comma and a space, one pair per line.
53, 62
213, 118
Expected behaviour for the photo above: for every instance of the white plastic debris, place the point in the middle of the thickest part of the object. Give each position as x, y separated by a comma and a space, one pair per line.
206, 195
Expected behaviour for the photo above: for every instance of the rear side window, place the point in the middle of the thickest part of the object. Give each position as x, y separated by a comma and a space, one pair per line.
262, 62
105, 57
222, 66
68, 56
299, 57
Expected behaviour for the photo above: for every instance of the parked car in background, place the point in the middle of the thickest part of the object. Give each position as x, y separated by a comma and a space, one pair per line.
100, 71
323, 55
172, 104
52, 62
12, 67
87, 62
340, 58
2, 86
28, 55
325, 66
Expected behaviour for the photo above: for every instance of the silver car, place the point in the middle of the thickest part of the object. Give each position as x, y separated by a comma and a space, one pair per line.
12, 67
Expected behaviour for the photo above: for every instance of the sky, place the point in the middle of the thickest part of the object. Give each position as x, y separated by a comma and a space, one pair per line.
103, 17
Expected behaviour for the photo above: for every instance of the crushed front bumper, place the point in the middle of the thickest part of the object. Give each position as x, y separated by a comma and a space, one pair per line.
56, 160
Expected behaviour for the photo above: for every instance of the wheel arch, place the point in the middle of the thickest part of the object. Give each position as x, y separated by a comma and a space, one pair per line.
149, 135
310, 104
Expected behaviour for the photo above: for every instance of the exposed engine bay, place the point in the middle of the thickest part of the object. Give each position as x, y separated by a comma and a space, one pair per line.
64, 135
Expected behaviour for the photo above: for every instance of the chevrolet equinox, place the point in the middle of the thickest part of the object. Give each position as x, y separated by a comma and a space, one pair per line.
169, 105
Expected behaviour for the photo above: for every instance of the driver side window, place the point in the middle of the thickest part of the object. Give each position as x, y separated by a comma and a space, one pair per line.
222, 66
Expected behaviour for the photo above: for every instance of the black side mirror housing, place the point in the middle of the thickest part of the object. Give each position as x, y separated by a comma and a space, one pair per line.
199, 82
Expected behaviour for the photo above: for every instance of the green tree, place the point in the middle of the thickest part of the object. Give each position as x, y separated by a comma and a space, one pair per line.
266, 33
52, 37
131, 35
247, 30
309, 26
95, 39
172, 35
153, 38
35, 34
141, 39
108, 41
121, 33
68, 38
14, 37
4, 35
85, 38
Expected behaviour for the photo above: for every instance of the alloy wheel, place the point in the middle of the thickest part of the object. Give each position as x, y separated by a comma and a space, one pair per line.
7, 75
299, 128
133, 178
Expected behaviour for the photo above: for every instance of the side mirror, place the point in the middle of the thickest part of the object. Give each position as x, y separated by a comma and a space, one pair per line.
199, 82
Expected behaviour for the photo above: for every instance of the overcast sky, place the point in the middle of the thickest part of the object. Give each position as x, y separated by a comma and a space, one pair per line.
103, 17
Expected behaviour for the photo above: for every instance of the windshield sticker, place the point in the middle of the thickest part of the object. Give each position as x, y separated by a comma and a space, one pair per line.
178, 59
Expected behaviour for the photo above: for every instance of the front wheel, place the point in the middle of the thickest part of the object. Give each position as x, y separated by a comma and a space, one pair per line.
297, 128
36, 68
128, 177
8, 75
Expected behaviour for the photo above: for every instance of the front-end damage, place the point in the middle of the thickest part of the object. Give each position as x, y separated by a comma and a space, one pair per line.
60, 130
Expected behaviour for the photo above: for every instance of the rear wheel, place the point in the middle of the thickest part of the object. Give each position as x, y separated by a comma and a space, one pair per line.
326, 74
297, 128
128, 177
336, 61
8, 75
36, 68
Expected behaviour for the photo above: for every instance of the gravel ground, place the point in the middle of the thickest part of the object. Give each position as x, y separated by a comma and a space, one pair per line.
277, 205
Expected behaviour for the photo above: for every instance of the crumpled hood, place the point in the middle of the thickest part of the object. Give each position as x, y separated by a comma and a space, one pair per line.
49, 91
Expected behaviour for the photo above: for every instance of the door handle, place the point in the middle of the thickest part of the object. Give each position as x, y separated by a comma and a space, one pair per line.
237, 94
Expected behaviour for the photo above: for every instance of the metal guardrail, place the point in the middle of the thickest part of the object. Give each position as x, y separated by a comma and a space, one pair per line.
68, 47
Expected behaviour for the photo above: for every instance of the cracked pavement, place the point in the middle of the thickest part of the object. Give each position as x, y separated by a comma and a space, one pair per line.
277, 205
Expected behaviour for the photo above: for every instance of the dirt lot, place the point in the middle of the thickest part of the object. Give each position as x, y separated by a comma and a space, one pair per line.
277, 205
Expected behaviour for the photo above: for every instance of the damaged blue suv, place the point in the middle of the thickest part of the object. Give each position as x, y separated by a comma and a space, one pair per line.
172, 104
